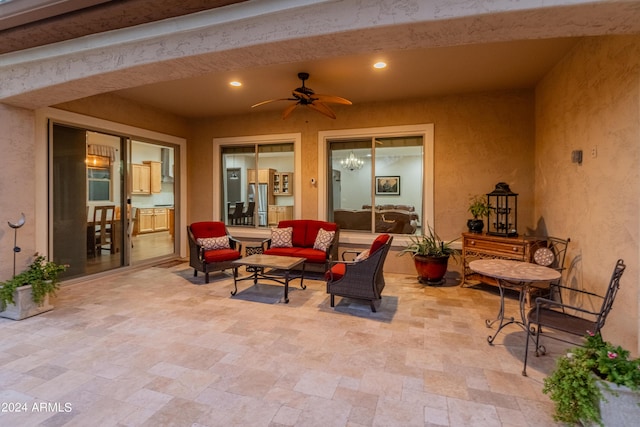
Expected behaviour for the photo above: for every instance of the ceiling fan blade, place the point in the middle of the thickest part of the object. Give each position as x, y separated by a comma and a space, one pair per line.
289, 110
332, 99
272, 100
322, 109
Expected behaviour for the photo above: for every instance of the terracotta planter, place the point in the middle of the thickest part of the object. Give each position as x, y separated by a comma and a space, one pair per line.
24, 306
431, 269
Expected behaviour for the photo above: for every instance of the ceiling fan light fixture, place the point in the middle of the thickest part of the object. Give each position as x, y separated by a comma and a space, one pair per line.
380, 65
235, 83
306, 97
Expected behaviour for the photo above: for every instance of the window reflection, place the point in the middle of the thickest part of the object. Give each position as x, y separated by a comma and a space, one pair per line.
376, 184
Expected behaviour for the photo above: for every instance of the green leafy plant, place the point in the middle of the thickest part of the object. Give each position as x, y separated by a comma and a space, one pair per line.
429, 244
42, 275
478, 206
572, 385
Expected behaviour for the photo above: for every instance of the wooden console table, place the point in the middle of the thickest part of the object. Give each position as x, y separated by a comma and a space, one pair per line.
485, 246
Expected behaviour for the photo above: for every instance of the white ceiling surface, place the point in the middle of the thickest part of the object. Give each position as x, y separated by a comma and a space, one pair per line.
410, 74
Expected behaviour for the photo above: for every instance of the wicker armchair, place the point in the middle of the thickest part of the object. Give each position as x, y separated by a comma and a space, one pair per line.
361, 278
216, 258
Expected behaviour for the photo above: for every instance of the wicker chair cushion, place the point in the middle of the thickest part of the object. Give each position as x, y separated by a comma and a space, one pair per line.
282, 237
208, 229
220, 255
336, 272
209, 243
378, 242
323, 239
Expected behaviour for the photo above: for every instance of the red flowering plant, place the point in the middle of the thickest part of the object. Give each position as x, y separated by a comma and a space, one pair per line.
572, 385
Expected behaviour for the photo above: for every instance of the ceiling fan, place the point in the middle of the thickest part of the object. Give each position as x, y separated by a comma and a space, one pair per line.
307, 97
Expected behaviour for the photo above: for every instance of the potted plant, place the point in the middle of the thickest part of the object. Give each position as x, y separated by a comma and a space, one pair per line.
589, 383
27, 293
430, 255
479, 208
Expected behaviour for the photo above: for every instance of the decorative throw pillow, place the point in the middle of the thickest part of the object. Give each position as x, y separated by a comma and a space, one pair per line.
323, 239
210, 243
362, 255
282, 237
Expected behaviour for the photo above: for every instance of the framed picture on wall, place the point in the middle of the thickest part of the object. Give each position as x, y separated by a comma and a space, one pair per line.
387, 185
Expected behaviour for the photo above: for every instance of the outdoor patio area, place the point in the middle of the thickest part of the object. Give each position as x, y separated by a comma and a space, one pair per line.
151, 348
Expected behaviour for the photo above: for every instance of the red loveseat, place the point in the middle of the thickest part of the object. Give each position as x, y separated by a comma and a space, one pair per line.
304, 234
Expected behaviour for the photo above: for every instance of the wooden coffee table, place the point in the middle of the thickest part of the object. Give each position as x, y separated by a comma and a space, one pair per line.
270, 262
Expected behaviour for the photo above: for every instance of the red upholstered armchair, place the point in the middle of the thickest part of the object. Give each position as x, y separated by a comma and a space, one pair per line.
361, 278
211, 248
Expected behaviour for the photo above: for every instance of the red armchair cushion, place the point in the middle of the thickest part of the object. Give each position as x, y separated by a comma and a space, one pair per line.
336, 272
378, 243
206, 229
221, 255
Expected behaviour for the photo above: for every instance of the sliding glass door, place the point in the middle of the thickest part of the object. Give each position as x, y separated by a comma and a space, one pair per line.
88, 227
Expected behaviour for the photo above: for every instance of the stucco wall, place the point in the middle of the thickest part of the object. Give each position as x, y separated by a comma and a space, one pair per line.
17, 192
480, 139
591, 99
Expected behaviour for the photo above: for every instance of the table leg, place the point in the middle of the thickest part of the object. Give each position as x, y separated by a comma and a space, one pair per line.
302, 285
286, 287
235, 281
522, 290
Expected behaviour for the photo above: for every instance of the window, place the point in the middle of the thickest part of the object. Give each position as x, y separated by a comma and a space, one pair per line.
99, 183
380, 182
258, 180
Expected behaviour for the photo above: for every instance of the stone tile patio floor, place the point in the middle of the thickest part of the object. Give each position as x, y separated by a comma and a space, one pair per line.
149, 348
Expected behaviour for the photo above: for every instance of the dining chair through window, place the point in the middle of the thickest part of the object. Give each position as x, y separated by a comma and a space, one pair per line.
236, 216
247, 217
103, 217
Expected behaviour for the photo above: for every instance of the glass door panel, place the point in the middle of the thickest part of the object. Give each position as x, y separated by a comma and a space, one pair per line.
152, 195
87, 200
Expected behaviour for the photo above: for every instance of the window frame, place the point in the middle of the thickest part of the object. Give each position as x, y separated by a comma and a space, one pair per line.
218, 143
426, 131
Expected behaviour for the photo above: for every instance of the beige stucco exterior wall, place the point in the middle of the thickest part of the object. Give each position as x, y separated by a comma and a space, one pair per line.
480, 139
17, 192
592, 99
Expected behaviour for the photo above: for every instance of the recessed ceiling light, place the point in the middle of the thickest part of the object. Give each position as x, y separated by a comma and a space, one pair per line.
235, 84
380, 65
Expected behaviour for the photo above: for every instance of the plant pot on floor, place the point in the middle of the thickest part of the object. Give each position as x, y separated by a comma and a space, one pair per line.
619, 405
431, 269
24, 306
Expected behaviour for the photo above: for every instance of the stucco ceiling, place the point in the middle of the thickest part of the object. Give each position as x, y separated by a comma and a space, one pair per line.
410, 73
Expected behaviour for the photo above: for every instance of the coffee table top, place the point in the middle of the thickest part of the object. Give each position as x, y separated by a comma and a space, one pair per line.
271, 261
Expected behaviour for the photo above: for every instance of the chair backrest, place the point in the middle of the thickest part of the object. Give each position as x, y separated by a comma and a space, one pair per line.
550, 252
207, 229
237, 213
103, 214
612, 290
250, 209
378, 243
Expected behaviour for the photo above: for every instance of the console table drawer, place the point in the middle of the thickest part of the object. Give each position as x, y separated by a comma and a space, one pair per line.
508, 250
